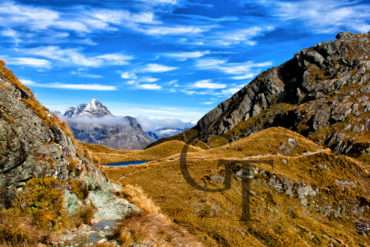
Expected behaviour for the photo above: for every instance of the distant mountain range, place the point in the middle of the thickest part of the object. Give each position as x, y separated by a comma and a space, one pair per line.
94, 123
165, 132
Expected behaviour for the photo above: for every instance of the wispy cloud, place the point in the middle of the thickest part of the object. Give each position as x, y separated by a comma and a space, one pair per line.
91, 87
29, 61
230, 91
73, 57
183, 56
148, 86
157, 68
159, 2
81, 73
85, 21
242, 69
326, 16
243, 77
208, 84
154, 123
128, 75
238, 36
170, 30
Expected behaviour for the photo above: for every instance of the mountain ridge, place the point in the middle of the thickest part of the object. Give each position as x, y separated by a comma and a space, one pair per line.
318, 93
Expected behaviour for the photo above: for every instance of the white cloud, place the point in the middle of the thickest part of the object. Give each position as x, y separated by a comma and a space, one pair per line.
159, 2
208, 103
158, 112
71, 56
131, 82
28, 82
29, 61
230, 91
241, 36
92, 87
148, 79
242, 69
192, 92
209, 63
173, 82
87, 75
208, 84
157, 68
121, 17
150, 86
326, 16
243, 77
149, 124
11, 33
128, 75
183, 56
82, 21
34, 17
167, 30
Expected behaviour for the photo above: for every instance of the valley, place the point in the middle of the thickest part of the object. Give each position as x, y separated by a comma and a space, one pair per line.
282, 162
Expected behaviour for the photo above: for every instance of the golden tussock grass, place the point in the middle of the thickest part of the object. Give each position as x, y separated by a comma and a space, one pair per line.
153, 229
207, 215
150, 226
136, 195
163, 150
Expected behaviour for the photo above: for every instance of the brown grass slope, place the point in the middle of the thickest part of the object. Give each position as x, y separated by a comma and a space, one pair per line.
310, 197
108, 155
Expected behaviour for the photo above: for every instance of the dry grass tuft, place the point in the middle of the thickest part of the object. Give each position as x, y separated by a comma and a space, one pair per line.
16, 230
154, 230
136, 195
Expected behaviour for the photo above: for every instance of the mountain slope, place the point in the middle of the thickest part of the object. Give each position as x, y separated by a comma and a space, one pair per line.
94, 123
48, 182
311, 196
323, 93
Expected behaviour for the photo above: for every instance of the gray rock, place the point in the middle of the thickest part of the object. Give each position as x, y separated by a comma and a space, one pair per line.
30, 148
324, 85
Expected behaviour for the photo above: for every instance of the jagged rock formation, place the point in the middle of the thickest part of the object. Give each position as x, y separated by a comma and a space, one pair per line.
322, 93
35, 144
93, 123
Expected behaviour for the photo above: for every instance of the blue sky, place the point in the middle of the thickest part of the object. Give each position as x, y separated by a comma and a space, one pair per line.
160, 58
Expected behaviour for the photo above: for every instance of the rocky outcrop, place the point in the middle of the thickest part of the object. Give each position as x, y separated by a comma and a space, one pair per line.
322, 93
34, 144
93, 123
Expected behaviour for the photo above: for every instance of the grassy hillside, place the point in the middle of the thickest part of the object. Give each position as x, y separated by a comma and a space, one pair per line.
311, 196
163, 150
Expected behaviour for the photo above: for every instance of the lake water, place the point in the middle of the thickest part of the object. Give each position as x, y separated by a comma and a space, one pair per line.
128, 163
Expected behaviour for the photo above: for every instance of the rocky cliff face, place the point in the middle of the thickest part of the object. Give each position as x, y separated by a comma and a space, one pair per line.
93, 123
35, 144
322, 93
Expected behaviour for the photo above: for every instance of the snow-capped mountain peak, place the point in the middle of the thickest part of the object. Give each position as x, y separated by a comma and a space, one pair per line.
95, 109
